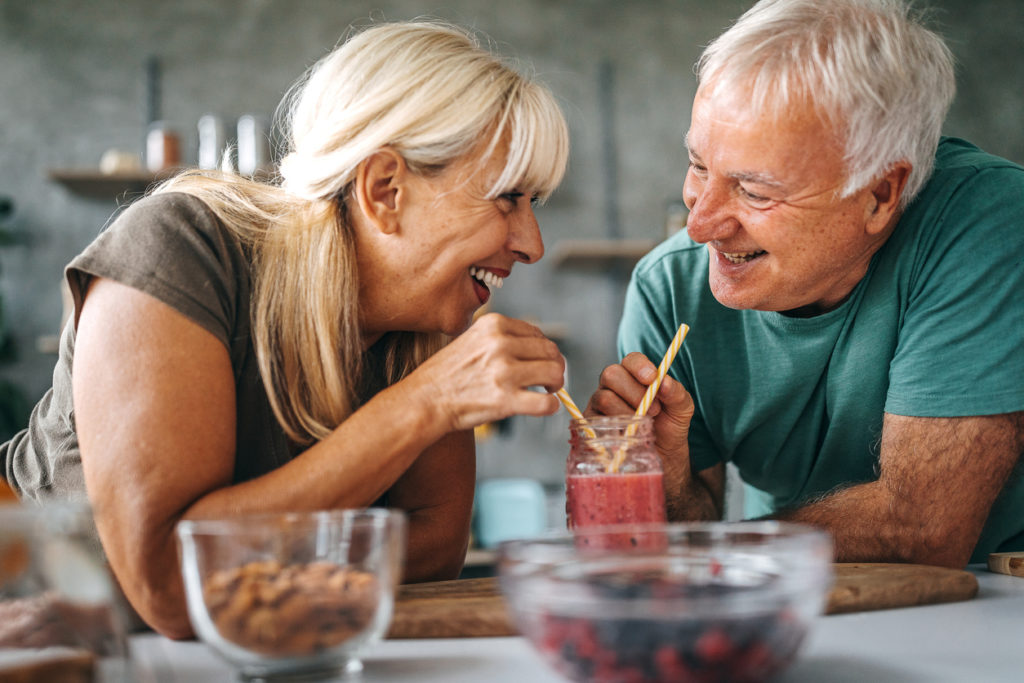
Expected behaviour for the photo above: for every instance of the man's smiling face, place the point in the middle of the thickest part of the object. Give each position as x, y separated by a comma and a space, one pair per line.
764, 195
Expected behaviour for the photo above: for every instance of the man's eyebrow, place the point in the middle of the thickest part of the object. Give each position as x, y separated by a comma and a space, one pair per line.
755, 177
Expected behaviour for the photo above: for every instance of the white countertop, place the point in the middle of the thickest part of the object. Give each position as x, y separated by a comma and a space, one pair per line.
979, 640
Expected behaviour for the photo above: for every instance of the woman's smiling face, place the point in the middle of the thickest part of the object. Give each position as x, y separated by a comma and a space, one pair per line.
453, 247
764, 195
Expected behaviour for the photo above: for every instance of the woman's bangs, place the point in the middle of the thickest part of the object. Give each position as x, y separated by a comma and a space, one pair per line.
537, 147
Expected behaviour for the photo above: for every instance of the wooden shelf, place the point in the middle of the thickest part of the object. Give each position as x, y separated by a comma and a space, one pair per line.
599, 252
93, 183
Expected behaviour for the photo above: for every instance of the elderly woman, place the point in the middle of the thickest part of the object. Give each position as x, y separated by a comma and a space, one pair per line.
240, 347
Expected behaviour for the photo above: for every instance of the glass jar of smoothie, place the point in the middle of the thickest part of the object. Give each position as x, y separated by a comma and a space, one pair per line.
613, 474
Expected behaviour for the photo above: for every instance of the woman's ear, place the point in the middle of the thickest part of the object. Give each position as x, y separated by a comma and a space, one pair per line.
379, 188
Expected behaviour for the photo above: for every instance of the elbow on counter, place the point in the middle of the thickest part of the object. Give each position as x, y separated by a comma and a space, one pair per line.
440, 558
937, 546
436, 567
163, 610
952, 555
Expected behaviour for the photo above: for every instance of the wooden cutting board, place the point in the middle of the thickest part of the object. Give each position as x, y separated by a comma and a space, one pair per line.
468, 608
1007, 563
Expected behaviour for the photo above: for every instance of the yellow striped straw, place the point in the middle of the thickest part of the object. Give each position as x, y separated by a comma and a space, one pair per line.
570, 405
652, 390
666, 362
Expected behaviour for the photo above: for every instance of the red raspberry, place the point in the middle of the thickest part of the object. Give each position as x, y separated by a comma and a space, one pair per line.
670, 665
714, 646
755, 664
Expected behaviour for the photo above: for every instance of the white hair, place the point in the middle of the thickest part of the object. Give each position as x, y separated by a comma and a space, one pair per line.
870, 67
429, 91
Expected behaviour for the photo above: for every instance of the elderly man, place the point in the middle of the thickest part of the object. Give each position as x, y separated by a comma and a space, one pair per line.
853, 284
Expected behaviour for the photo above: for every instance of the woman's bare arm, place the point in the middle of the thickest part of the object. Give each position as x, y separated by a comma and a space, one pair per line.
155, 415
437, 494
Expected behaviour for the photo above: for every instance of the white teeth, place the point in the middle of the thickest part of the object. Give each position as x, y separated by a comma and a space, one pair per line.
486, 277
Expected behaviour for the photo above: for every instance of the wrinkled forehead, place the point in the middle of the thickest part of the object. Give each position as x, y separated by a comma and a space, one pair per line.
775, 87
744, 99
794, 148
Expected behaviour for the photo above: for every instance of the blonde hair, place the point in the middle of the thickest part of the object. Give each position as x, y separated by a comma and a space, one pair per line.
871, 67
425, 89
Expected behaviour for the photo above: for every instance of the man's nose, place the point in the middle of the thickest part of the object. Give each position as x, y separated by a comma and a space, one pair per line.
710, 216
525, 240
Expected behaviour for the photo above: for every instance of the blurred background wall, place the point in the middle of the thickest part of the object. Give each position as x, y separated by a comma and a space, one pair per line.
73, 85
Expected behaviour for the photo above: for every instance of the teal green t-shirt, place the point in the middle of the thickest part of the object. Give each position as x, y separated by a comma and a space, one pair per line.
934, 329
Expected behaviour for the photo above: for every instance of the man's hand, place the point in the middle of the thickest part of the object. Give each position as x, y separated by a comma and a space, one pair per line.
621, 388
938, 479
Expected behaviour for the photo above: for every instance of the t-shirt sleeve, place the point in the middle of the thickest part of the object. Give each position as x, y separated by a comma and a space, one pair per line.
961, 345
648, 325
172, 247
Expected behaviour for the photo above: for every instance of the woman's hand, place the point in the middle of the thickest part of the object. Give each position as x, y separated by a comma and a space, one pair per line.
485, 374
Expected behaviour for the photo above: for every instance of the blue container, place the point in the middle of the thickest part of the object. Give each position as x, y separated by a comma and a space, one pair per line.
509, 508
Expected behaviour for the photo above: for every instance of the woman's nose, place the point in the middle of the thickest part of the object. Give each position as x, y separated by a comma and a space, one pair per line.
709, 216
525, 240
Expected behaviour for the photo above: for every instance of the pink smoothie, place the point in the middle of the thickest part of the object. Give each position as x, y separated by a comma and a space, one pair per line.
593, 500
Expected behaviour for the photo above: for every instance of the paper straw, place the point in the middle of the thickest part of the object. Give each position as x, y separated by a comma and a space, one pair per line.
666, 362
573, 409
652, 390
570, 405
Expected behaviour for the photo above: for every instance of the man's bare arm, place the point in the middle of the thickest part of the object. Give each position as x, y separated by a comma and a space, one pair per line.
694, 496
938, 479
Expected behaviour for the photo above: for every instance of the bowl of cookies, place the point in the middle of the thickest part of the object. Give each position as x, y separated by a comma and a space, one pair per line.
709, 601
295, 594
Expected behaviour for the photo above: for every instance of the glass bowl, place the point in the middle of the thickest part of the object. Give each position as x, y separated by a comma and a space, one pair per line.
62, 617
668, 602
295, 595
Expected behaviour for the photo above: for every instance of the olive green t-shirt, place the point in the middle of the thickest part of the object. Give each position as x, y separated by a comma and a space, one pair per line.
174, 248
934, 329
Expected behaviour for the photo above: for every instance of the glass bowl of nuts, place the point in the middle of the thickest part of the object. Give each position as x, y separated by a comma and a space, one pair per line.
62, 617
709, 601
296, 594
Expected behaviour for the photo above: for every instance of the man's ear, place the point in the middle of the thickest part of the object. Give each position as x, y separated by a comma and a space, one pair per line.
379, 188
886, 195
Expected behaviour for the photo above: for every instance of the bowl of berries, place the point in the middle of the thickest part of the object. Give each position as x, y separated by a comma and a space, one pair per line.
710, 601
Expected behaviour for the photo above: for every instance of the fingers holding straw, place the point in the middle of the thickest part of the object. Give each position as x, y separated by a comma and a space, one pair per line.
666, 363
652, 390
612, 464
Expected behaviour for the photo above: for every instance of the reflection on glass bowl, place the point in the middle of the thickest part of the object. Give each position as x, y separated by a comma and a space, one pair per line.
668, 602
